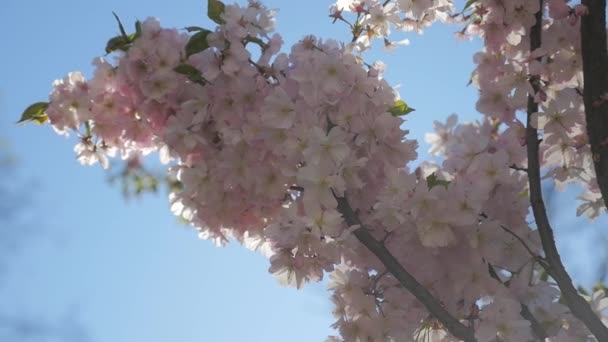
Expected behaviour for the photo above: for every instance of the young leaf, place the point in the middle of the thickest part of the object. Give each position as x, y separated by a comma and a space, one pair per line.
215, 8
471, 78
197, 43
117, 43
137, 29
432, 181
120, 27
193, 28
468, 4
186, 69
193, 73
124, 40
400, 109
544, 276
36, 113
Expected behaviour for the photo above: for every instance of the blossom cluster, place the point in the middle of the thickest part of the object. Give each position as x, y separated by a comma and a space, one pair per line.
503, 74
264, 146
376, 19
504, 69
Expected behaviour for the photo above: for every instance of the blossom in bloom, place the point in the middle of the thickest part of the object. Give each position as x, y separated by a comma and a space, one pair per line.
440, 138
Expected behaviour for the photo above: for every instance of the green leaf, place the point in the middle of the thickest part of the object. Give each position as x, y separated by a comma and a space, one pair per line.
123, 41
357, 29
120, 27
87, 126
197, 43
186, 69
468, 4
174, 184
400, 109
117, 43
193, 28
471, 77
137, 29
582, 290
215, 8
193, 73
432, 181
35, 113
599, 287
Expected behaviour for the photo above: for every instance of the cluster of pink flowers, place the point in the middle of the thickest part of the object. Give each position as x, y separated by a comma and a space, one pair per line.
375, 18
502, 76
263, 146
504, 68
483, 163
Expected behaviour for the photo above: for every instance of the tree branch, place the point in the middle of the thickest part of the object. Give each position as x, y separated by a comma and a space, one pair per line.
523, 243
537, 328
577, 304
595, 73
453, 325
518, 168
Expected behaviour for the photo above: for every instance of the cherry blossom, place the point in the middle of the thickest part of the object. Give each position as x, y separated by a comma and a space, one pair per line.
267, 152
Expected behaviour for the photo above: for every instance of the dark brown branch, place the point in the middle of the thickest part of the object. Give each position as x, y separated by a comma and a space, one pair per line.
595, 73
537, 328
453, 325
296, 188
577, 304
518, 168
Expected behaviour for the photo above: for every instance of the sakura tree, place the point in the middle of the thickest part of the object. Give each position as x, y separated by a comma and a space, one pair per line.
302, 156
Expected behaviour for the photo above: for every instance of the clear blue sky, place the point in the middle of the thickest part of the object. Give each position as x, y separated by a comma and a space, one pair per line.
126, 270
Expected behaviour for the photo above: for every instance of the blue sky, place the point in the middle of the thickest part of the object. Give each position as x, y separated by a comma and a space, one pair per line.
126, 270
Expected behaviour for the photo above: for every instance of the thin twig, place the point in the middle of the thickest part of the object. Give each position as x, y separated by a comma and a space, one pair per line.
518, 168
523, 243
534, 255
